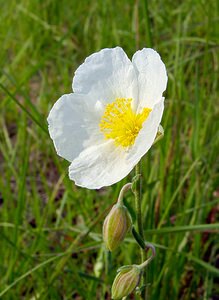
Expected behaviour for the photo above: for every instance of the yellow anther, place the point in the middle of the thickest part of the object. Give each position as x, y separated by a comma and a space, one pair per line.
120, 123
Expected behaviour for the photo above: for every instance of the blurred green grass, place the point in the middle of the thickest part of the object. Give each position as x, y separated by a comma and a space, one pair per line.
50, 230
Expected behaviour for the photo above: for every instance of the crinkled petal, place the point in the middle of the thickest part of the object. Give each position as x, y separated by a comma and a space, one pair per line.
147, 135
152, 77
73, 124
105, 164
108, 74
100, 166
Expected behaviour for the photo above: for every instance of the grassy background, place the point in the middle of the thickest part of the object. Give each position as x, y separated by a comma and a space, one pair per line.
50, 230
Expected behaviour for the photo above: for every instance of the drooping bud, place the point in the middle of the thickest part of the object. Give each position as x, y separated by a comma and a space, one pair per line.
116, 225
126, 281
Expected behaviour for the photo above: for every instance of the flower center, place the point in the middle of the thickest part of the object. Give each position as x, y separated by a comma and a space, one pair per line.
120, 123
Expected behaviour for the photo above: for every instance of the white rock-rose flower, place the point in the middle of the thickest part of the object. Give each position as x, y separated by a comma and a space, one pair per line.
112, 117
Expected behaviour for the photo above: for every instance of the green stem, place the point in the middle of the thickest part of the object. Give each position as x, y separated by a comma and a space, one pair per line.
137, 193
124, 189
140, 229
153, 254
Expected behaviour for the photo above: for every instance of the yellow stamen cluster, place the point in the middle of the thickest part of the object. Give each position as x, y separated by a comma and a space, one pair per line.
120, 123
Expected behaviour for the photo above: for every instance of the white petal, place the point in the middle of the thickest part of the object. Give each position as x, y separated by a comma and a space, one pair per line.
108, 74
152, 77
105, 164
100, 166
73, 124
147, 135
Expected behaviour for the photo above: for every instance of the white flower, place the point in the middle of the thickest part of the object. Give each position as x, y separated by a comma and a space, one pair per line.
112, 118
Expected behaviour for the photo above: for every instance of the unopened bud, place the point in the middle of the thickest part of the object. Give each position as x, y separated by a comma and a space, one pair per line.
126, 281
116, 225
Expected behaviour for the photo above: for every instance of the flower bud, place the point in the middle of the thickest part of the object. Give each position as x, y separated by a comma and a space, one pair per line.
126, 281
116, 225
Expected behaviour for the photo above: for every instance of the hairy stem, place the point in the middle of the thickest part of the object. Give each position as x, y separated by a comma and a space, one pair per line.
140, 229
124, 189
137, 193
